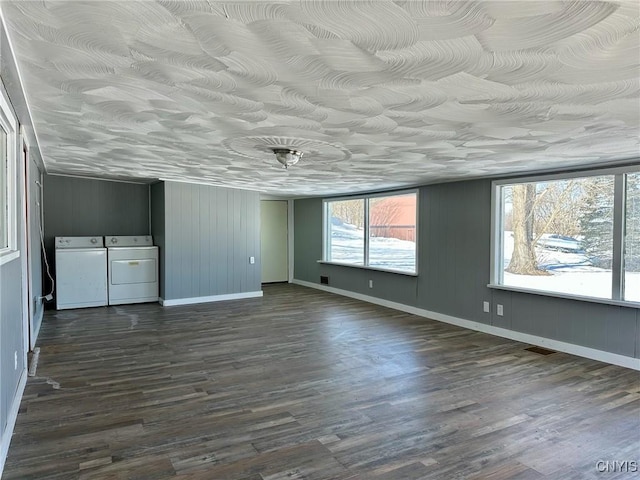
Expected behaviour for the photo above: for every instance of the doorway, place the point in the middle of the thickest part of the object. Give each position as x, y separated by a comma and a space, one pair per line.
274, 248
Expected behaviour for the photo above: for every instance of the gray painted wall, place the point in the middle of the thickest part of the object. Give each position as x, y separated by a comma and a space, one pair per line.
210, 233
454, 249
307, 239
454, 246
158, 228
12, 338
86, 207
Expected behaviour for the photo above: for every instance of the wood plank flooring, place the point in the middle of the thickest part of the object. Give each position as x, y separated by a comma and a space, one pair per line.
302, 384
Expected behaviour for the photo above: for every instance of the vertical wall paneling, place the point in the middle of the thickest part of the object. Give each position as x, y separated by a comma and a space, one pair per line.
501, 297
454, 247
307, 239
157, 215
210, 233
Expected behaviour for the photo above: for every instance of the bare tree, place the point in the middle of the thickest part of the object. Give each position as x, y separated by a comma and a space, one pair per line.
349, 211
557, 209
523, 260
538, 209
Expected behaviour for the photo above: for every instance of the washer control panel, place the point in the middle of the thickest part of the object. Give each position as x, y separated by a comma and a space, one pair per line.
79, 242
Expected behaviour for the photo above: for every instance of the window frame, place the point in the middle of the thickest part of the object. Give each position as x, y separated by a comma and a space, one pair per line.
9, 124
326, 244
496, 273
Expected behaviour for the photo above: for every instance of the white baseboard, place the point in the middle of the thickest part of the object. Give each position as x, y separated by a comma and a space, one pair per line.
586, 352
211, 298
11, 420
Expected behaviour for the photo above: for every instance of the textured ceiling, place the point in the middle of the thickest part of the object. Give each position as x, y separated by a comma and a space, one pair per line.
377, 94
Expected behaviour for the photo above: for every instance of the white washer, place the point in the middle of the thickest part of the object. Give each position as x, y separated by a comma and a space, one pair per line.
81, 272
133, 269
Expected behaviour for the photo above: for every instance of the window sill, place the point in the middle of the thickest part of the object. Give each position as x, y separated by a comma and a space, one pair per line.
375, 269
567, 296
7, 255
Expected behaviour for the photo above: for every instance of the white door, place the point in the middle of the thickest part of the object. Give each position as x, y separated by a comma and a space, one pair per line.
273, 239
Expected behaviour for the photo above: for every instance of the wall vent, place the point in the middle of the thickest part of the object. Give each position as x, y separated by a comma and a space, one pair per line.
324, 280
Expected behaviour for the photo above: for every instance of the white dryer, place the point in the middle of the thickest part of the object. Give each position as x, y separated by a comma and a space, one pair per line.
81, 272
133, 269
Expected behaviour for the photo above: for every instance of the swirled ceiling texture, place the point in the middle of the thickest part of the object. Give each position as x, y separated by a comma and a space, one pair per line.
378, 94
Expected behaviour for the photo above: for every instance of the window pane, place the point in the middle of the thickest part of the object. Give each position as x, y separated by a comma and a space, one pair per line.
392, 232
632, 239
4, 214
557, 236
345, 228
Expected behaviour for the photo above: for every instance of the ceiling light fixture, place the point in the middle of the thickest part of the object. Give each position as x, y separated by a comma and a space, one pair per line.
287, 157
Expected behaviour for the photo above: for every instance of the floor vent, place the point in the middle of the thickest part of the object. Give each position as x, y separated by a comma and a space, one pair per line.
540, 350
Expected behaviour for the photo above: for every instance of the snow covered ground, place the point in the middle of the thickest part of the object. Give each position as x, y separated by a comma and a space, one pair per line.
347, 246
570, 273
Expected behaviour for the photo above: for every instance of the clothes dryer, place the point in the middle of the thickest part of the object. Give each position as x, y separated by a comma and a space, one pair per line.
133, 269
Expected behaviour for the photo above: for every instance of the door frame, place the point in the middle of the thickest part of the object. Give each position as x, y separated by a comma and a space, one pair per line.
290, 226
29, 302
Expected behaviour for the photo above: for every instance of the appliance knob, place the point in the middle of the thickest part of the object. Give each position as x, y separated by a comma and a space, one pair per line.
114, 240
94, 240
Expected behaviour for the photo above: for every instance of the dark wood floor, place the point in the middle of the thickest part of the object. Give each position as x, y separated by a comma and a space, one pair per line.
302, 384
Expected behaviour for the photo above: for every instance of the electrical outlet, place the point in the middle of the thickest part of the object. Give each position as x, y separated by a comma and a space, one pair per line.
486, 307
252, 260
500, 310
370, 283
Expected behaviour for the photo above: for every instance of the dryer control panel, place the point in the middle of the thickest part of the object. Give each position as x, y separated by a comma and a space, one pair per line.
128, 241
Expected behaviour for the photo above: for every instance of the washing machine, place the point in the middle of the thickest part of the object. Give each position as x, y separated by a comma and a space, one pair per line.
133, 269
81, 272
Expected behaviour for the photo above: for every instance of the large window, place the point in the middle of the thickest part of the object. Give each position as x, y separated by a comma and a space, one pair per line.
4, 208
8, 182
577, 236
373, 231
632, 239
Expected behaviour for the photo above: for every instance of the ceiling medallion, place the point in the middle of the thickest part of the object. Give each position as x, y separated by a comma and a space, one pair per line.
287, 149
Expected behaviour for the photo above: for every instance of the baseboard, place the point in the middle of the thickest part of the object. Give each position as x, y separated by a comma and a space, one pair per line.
11, 420
211, 298
571, 348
